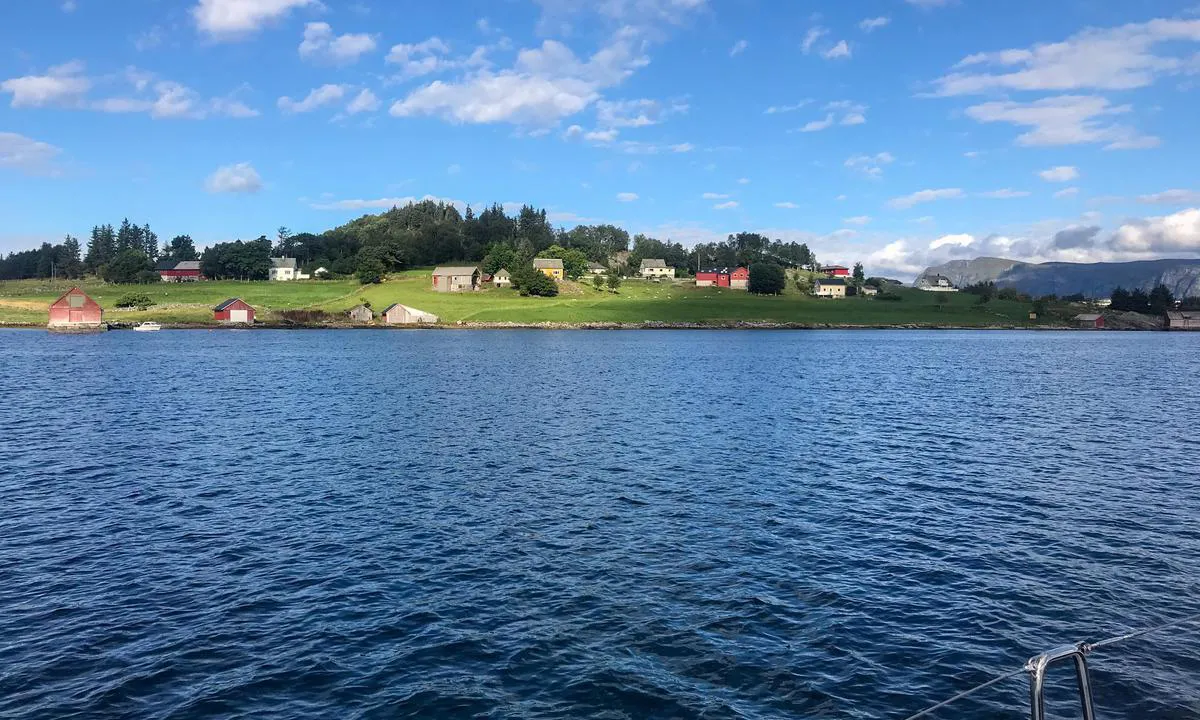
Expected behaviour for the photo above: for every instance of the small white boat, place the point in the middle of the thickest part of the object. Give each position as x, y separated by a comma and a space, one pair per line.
147, 327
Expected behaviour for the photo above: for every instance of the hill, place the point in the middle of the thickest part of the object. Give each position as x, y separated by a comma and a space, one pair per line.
1093, 280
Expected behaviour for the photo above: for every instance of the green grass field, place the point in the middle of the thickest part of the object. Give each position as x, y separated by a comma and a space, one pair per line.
25, 302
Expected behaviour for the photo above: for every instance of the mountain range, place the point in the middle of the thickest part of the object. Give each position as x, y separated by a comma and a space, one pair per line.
1093, 280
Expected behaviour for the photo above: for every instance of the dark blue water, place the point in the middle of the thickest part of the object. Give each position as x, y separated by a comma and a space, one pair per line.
608, 525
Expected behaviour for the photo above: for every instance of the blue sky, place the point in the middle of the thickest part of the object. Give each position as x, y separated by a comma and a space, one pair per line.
899, 133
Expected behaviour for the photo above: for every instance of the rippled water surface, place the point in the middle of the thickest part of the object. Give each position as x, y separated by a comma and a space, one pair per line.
608, 525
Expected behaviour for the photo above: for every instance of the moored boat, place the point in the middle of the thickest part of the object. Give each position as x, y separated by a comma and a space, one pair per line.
147, 327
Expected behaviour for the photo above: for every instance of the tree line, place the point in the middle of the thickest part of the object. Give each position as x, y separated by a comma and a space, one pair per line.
418, 234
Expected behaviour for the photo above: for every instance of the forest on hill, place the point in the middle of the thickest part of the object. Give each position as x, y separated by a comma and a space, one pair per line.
415, 235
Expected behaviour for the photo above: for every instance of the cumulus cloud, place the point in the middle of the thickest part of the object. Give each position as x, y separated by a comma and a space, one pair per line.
1005, 194
818, 125
1066, 193
837, 52
627, 197
1065, 120
728, 205
418, 59
545, 85
1076, 237
924, 196
714, 196
601, 136
1060, 174
1172, 197
233, 19
811, 38
1179, 232
870, 165
27, 155
322, 45
873, 24
1121, 58
635, 113
63, 85
318, 97
365, 101
776, 109
239, 178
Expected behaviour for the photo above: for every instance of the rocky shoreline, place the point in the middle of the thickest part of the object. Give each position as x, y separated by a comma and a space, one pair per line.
651, 325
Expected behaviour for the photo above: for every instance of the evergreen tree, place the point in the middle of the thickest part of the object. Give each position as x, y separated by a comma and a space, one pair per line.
149, 242
71, 266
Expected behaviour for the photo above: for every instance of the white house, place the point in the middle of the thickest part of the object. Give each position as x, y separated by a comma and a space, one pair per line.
595, 268
830, 288
285, 269
936, 283
656, 268
502, 278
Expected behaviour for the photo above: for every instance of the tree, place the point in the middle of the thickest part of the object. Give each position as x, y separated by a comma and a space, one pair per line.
1161, 300
129, 266
69, 263
500, 256
575, 263
180, 249
238, 260
598, 282
859, 275
614, 281
284, 246
149, 242
766, 279
101, 248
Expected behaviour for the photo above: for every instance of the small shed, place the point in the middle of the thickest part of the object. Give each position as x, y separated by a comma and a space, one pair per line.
869, 290
234, 311
74, 310
1183, 320
502, 279
1090, 321
361, 314
456, 278
398, 314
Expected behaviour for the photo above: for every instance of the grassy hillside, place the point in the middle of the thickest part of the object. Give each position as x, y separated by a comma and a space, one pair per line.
25, 302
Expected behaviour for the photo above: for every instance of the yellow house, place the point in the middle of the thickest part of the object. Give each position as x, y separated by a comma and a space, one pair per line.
551, 267
830, 288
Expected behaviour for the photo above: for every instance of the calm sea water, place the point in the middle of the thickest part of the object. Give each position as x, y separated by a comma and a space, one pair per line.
608, 524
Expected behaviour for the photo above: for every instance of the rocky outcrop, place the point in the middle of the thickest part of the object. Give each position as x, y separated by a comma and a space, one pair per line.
1094, 280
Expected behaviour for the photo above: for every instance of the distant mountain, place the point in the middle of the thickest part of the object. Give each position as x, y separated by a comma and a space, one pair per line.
1095, 280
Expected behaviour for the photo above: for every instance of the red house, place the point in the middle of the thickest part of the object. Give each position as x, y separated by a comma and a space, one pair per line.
75, 311
719, 277
740, 279
234, 310
186, 271
1092, 321
836, 271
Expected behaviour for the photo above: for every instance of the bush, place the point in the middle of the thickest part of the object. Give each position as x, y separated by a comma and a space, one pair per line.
140, 301
598, 282
889, 297
614, 281
529, 281
766, 279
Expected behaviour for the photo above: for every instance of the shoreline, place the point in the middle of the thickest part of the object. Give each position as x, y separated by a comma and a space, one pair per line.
650, 325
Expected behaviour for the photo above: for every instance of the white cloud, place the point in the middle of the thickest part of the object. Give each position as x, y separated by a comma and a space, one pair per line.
627, 197
61, 85
961, 240
320, 44
1179, 232
239, 178
1064, 120
1066, 193
775, 109
1120, 58
149, 39
743, 181
601, 136
573, 132
818, 125
811, 38
423, 58
714, 196
558, 16
232, 19
787, 205
27, 155
854, 119
545, 85
870, 165
365, 101
1005, 194
857, 220
738, 48
1172, 197
1060, 174
728, 205
635, 113
873, 24
683, 147
924, 196
841, 50
318, 97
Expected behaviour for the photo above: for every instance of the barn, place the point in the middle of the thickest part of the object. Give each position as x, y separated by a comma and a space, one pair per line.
1091, 321
739, 279
234, 310
404, 315
719, 277
185, 271
74, 310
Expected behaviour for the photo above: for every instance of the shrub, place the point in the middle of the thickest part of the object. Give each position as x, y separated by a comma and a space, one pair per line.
889, 297
141, 301
766, 279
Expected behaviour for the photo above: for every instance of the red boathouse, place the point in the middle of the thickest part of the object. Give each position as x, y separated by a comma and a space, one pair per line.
739, 279
234, 310
713, 276
74, 310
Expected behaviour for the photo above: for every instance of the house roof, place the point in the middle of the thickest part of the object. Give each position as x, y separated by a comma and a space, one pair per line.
715, 271
388, 309
283, 263
231, 301
188, 265
502, 273
1088, 317
72, 291
831, 281
833, 267
165, 265
654, 263
596, 266
1184, 314
456, 270
547, 264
